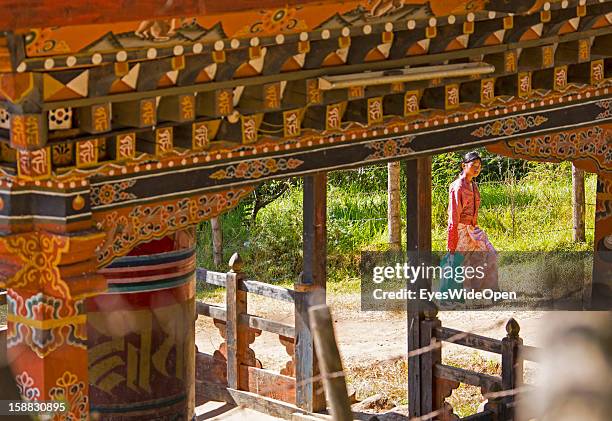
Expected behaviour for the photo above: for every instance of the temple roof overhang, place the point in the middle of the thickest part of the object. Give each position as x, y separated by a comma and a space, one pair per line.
126, 114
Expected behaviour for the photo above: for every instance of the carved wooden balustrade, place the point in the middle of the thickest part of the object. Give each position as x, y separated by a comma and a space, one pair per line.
232, 373
437, 381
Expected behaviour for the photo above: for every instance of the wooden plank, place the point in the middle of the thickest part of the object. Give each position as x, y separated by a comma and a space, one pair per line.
211, 310
268, 290
330, 364
266, 405
254, 322
467, 376
469, 339
269, 384
266, 325
210, 277
254, 287
236, 335
530, 353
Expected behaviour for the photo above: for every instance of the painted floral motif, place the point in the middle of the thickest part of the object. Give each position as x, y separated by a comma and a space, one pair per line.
111, 193
593, 143
605, 105
68, 388
41, 254
603, 208
45, 309
124, 230
389, 148
273, 21
256, 168
25, 385
509, 126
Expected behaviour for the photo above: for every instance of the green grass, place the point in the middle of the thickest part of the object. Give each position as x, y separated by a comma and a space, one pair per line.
531, 214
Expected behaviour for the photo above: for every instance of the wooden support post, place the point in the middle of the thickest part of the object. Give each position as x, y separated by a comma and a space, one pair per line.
578, 203
393, 206
311, 291
418, 239
217, 240
330, 363
236, 334
51, 271
429, 360
512, 364
418, 204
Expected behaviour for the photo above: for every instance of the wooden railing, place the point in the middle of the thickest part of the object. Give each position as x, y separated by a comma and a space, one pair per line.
232, 373
437, 380
2, 297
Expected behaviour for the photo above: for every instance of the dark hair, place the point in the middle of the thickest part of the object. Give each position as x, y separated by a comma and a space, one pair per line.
471, 156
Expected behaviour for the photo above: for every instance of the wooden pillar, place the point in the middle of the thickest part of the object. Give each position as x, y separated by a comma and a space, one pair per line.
429, 359
393, 205
49, 276
418, 240
600, 297
236, 334
311, 291
418, 204
217, 240
578, 203
512, 365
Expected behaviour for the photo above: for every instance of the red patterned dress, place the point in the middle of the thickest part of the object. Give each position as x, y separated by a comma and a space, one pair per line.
466, 237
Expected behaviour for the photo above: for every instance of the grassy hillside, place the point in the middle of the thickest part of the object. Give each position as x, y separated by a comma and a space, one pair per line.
527, 209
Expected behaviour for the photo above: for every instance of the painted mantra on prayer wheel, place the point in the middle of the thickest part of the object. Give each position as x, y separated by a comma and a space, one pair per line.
141, 334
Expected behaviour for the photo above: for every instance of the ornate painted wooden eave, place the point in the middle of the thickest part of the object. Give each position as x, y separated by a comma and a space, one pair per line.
121, 124
115, 122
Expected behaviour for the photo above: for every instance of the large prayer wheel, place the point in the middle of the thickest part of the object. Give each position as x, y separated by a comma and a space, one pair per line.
141, 334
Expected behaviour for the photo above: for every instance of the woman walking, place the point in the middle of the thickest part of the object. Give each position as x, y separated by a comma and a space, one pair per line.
464, 234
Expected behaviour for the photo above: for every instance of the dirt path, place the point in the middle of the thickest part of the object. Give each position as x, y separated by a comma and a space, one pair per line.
365, 337
373, 345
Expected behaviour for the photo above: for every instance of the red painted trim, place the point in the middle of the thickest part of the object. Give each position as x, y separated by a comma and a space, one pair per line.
23, 14
141, 300
138, 277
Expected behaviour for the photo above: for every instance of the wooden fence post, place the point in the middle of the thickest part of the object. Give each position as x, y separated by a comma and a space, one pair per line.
418, 239
429, 359
578, 205
330, 364
512, 365
236, 334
